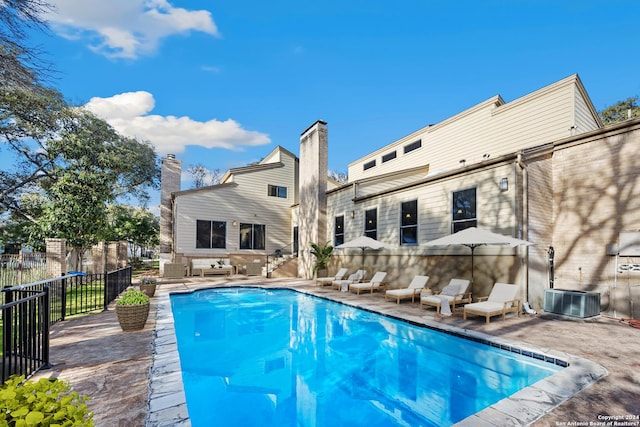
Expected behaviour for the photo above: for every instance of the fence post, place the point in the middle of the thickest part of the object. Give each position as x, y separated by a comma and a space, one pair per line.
63, 297
7, 322
45, 332
105, 293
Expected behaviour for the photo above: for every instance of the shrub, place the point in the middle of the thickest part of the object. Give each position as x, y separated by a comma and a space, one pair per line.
132, 297
148, 280
322, 254
47, 402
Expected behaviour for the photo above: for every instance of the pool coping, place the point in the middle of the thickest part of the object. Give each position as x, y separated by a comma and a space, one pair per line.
167, 399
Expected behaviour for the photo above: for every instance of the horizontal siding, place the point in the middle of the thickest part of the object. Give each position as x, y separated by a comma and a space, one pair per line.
247, 202
541, 117
584, 118
495, 209
377, 186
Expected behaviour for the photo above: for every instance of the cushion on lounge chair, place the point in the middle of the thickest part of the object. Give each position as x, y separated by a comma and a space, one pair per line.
502, 300
376, 282
455, 293
353, 278
328, 280
415, 287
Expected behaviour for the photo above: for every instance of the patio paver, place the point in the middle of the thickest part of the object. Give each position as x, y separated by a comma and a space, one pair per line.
115, 367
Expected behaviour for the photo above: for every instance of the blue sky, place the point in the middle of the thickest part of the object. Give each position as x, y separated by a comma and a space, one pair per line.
221, 83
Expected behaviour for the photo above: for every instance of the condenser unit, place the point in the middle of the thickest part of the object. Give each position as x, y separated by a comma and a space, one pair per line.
572, 303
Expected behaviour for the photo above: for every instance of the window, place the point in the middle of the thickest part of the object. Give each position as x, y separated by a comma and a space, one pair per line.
277, 191
409, 223
369, 165
413, 146
211, 234
463, 210
252, 236
371, 223
388, 156
338, 231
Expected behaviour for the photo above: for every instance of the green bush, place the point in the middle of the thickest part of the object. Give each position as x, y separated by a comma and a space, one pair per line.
47, 402
132, 297
322, 254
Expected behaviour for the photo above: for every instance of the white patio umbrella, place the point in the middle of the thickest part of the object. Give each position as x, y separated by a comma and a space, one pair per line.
473, 237
363, 242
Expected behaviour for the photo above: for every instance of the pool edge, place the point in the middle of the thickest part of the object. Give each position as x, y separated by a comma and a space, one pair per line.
167, 399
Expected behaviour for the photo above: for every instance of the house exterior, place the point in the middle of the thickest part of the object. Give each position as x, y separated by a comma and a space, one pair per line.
540, 168
244, 217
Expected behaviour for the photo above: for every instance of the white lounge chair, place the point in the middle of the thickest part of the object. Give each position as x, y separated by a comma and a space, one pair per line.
376, 282
322, 281
455, 293
415, 287
343, 285
502, 300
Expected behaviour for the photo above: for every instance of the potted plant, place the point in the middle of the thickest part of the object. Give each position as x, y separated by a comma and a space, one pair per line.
148, 285
322, 254
132, 309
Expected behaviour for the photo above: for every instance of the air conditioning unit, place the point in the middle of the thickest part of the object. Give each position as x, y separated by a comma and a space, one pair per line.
572, 303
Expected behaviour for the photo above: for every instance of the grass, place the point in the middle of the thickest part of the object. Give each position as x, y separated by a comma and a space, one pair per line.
90, 294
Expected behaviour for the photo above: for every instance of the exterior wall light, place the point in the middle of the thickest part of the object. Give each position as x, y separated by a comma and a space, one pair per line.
504, 184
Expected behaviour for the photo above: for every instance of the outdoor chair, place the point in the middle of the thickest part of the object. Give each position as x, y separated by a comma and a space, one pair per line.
376, 282
502, 300
415, 287
322, 281
455, 293
343, 285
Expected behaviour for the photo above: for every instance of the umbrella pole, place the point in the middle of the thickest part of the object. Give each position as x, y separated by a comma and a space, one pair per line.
473, 247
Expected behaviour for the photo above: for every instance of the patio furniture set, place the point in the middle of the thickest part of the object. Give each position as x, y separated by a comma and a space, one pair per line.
456, 295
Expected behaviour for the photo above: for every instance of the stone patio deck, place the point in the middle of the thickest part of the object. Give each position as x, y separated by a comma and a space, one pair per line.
132, 378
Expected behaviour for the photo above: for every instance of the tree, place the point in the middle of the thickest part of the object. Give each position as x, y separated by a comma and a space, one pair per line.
139, 227
74, 162
19, 63
621, 111
202, 176
340, 177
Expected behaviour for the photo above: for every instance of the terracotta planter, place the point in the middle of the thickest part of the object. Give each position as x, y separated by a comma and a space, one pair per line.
132, 317
322, 272
148, 289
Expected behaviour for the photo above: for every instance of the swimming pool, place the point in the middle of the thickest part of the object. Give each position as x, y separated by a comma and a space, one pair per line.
278, 357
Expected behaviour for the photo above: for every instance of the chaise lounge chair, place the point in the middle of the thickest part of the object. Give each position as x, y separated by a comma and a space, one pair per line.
502, 300
343, 285
455, 293
415, 287
376, 282
322, 281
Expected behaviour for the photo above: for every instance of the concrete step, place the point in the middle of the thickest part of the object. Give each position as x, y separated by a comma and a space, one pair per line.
288, 269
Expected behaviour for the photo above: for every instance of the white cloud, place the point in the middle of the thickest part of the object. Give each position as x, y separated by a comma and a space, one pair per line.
126, 28
128, 114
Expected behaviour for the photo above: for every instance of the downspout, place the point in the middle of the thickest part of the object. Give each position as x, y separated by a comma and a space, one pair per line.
524, 260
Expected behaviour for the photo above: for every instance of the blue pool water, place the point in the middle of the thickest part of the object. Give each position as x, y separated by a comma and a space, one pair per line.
255, 357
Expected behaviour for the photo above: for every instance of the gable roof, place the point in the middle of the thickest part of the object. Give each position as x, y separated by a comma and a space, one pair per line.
264, 164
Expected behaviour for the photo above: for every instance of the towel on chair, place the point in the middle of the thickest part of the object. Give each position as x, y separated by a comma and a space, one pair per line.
445, 309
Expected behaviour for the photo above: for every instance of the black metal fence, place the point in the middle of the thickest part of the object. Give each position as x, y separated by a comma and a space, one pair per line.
25, 332
29, 310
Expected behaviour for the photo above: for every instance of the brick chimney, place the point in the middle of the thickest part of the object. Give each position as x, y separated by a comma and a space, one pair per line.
169, 183
312, 222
